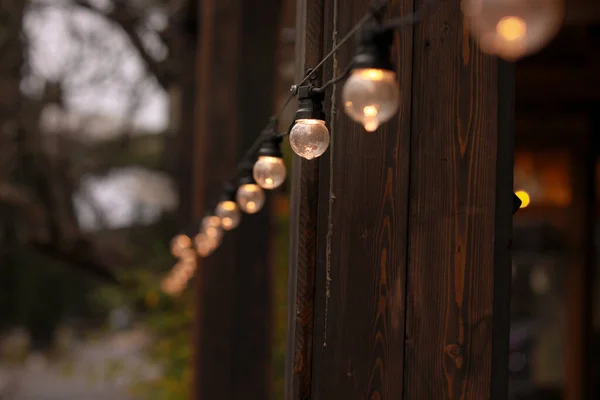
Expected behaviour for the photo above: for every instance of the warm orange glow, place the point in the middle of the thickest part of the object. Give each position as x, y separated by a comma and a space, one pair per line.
511, 28
370, 111
371, 125
524, 196
373, 74
229, 205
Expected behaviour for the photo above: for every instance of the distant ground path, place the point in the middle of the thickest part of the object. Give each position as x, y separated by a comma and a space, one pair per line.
101, 370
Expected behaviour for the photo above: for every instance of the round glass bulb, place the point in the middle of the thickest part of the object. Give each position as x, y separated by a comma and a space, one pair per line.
230, 214
251, 198
169, 286
371, 96
309, 138
269, 172
211, 227
205, 245
179, 244
513, 28
188, 255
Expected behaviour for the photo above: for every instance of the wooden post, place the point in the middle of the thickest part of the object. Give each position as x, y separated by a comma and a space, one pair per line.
235, 78
403, 235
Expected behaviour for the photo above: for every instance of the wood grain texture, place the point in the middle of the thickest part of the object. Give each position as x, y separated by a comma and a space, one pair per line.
303, 224
363, 193
414, 223
459, 220
236, 66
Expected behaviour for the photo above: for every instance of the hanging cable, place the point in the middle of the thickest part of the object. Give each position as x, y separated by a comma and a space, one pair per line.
245, 191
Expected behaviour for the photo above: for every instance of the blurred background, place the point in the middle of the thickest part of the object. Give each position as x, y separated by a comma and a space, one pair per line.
92, 188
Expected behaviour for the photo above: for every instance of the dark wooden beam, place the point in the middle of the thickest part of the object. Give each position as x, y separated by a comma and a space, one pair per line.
458, 282
582, 12
303, 222
236, 74
412, 268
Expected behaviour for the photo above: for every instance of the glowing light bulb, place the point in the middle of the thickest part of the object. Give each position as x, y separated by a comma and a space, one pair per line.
309, 138
168, 286
187, 269
251, 198
371, 96
230, 214
188, 255
513, 28
524, 197
205, 245
269, 172
211, 227
179, 244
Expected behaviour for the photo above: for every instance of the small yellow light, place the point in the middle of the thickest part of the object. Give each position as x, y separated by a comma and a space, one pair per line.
179, 244
524, 197
511, 28
370, 111
371, 125
373, 74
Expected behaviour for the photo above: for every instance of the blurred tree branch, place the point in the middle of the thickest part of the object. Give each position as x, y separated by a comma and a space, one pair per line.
126, 18
41, 170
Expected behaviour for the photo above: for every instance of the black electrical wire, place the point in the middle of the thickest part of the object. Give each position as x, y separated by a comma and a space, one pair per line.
376, 12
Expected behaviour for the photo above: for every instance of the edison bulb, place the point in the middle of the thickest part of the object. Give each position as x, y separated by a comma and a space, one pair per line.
179, 244
371, 96
513, 28
251, 198
309, 138
269, 172
230, 214
205, 245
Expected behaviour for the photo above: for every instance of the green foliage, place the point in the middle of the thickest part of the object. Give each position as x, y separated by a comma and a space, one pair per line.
168, 319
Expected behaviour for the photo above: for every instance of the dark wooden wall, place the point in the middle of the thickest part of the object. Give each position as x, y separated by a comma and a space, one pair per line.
400, 258
236, 70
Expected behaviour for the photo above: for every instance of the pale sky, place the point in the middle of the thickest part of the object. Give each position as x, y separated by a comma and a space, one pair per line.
55, 52
124, 196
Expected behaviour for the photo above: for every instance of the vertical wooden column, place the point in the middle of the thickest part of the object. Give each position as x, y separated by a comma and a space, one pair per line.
411, 275
235, 78
457, 324
580, 276
303, 219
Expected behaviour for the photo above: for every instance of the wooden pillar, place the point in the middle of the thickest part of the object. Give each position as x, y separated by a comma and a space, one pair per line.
402, 236
580, 276
235, 80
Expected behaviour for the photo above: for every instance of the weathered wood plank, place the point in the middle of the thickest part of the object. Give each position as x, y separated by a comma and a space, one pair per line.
459, 217
236, 71
363, 185
303, 223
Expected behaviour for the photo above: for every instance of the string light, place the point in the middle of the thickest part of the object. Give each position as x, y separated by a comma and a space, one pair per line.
180, 243
227, 209
211, 227
269, 170
309, 137
205, 245
512, 29
250, 197
371, 94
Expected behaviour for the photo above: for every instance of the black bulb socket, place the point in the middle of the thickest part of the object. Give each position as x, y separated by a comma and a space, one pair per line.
246, 175
228, 193
310, 103
374, 48
271, 147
